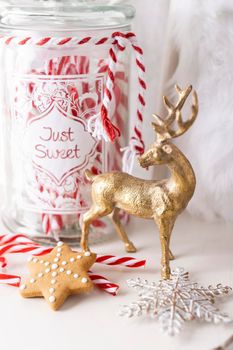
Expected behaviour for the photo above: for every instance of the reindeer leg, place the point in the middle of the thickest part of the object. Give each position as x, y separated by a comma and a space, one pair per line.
164, 232
92, 214
114, 216
171, 256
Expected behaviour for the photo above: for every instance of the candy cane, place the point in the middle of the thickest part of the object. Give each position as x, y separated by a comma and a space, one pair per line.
52, 224
36, 250
3, 261
10, 238
100, 281
11, 244
104, 283
10, 280
13, 248
19, 243
112, 260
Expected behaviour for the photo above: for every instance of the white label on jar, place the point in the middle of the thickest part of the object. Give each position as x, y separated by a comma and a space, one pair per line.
58, 144
52, 145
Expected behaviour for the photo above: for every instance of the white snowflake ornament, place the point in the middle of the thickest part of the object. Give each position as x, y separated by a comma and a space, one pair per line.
175, 301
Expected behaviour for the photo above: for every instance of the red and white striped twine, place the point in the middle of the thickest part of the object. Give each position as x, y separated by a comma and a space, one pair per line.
100, 126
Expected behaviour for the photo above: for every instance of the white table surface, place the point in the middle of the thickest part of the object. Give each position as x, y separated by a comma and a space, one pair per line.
91, 321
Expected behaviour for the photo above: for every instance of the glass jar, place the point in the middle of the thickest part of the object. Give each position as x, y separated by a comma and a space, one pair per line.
50, 90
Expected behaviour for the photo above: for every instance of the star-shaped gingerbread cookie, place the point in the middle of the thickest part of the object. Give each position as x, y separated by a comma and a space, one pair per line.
58, 274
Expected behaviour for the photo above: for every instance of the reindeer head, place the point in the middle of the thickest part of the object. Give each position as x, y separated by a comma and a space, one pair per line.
163, 151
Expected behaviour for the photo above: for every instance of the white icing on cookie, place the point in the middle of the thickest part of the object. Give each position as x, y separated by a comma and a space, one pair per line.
84, 280
54, 266
53, 281
54, 274
52, 299
59, 244
40, 274
64, 263
34, 260
23, 286
47, 270
76, 275
79, 256
87, 254
32, 280
56, 259
72, 259
46, 263
62, 269
68, 272
51, 290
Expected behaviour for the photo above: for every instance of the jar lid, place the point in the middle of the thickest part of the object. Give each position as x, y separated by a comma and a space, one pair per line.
64, 14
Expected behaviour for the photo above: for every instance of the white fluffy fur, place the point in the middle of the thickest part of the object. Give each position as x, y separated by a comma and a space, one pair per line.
202, 37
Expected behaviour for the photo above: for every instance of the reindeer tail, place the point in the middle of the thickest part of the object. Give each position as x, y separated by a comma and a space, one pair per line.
89, 176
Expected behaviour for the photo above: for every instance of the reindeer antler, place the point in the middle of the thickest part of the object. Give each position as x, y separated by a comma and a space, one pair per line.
163, 126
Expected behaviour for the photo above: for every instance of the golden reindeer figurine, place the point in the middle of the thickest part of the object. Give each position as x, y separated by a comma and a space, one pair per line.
161, 200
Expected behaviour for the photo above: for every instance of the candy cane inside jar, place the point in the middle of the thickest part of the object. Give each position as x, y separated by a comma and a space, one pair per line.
64, 100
